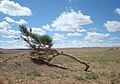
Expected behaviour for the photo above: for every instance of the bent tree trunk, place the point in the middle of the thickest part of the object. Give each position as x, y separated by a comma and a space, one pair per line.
41, 46
72, 57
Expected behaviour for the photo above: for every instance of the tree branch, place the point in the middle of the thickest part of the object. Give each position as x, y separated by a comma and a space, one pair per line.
72, 57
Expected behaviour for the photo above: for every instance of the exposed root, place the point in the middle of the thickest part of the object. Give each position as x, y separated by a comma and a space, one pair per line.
56, 53
40, 62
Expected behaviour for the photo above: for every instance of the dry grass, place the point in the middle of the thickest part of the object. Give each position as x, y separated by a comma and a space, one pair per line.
104, 68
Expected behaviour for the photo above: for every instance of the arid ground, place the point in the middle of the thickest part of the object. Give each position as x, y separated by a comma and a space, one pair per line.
17, 68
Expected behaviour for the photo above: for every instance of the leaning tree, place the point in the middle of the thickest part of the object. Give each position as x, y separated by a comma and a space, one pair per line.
41, 46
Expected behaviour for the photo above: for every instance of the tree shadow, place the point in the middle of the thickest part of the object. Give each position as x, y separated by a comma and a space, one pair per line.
42, 62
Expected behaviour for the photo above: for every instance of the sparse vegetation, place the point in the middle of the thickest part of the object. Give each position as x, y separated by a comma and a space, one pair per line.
80, 78
106, 72
33, 73
91, 75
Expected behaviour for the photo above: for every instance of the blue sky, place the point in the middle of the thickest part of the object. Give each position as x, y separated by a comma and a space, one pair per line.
71, 23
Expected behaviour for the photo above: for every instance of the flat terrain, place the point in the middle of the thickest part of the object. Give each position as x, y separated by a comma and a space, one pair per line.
16, 68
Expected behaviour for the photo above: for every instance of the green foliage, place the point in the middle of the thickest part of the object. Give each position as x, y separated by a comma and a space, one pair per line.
24, 30
45, 39
35, 40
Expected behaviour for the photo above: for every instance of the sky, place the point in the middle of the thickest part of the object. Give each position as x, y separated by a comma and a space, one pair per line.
71, 23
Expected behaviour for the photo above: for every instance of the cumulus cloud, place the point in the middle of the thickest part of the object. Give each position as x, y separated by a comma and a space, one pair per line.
10, 31
93, 36
5, 25
68, 44
8, 19
12, 44
115, 38
83, 43
93, 29
14, 9
9, 36
21, 22
112, 26
38, 31
58, 37
4, 28
74, 34
71, 21
117, 10
47, 27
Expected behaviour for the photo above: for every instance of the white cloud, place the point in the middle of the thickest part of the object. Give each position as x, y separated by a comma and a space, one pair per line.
8, 19
38, 31
93, 29
80, 30
68, 44
5, 25
4, 30
22, 22
93, 36
12, 44
9, 36
82, 43
112, 26
8, 42
115, 38
58, 37
14, 9
74, 34
10, 31
47, 27
71, 21
117, 10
